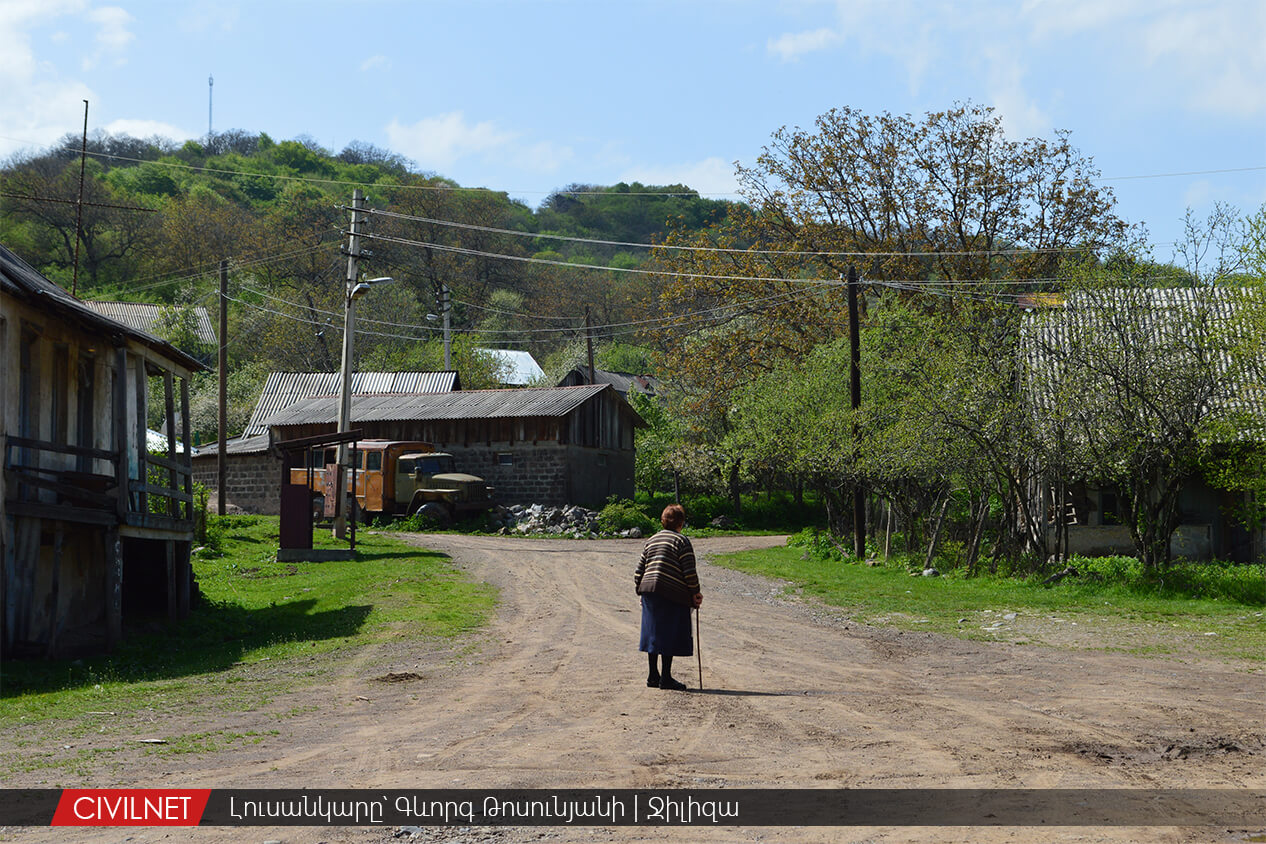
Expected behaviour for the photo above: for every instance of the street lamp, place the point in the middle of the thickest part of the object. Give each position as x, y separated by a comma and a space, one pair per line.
354, 292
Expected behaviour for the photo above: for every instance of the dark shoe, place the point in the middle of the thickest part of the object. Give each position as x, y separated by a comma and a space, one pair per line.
652, 681
671, 684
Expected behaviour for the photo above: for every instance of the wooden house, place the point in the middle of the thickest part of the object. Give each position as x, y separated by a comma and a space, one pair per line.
95, 529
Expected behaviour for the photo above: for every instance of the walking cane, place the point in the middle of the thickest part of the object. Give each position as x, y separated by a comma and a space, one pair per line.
698, 649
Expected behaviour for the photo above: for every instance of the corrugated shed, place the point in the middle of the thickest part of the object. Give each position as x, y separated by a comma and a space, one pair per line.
283, 389
476, 404
148, 317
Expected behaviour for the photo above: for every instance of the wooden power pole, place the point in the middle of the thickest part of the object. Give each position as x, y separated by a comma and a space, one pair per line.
221, 459
855, 402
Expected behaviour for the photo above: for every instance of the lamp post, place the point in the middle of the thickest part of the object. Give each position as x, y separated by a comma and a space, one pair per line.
354, 292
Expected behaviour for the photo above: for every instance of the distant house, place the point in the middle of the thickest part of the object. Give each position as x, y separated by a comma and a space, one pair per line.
1161, 326
518, 369
253, 479
553, 446
623, 382
95, 528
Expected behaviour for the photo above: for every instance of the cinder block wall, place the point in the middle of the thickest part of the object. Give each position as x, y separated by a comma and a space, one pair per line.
253, 481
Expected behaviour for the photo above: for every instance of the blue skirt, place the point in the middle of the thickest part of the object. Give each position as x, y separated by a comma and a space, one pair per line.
665, 627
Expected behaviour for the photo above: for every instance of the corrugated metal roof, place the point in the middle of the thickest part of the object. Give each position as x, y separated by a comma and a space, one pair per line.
624, 382
236, 445
1164, 324
283, 389
517, 368
148, 317
21, 279
475, 404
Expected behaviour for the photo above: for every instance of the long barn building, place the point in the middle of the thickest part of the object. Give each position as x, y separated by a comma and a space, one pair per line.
553, 446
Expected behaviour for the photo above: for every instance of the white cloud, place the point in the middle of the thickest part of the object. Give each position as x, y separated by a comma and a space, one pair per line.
36, 106
112, 37
711, 176
374, 63
437, 143
792, 45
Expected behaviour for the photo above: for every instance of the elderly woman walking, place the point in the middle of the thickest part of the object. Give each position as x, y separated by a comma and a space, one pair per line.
669, 586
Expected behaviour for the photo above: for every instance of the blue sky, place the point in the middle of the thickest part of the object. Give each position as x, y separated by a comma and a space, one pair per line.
528, 97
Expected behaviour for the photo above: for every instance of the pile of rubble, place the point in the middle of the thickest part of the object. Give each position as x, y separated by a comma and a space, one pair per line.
539, 520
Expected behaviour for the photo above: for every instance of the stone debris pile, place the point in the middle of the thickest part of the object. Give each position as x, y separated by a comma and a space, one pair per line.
539, 520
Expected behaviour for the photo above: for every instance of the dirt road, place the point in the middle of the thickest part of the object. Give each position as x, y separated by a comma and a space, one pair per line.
553, 694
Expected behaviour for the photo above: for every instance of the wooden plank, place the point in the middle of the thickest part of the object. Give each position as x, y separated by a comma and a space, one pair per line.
184, 438
169, 547
184, 579
172, 465
173, 507
120, 428
55, 598
160, 491
8, 591
68, 490
82, 515
74, 450
141, 431
114, 588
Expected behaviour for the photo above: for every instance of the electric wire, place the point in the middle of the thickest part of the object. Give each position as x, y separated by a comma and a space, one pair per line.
726, 249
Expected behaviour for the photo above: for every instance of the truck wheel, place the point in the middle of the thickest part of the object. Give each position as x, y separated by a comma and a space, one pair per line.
436, 514
318, 508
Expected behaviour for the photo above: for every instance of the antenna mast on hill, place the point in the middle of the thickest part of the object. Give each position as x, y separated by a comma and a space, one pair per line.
210, 91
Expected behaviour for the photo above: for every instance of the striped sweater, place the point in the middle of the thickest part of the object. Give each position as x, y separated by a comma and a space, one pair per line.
667, 568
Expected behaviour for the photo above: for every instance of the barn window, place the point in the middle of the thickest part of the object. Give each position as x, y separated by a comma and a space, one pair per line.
505, 458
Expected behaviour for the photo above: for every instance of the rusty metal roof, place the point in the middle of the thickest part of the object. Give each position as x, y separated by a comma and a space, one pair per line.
283, 389
148, 317
474, 404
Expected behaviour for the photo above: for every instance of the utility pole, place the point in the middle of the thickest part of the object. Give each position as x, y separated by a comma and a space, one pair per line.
589, 345
349, 326
855, 402
79, 205
446, 305
221, 459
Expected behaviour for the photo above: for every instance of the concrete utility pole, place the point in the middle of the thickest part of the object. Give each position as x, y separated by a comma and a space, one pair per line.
349, 326
446, 305
221, 459
855, 402
589, 345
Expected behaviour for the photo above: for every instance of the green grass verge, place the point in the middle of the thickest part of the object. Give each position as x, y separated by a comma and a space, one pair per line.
1131, 614
254, 610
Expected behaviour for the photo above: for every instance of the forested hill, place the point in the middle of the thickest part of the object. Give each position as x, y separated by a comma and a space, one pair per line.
158, 217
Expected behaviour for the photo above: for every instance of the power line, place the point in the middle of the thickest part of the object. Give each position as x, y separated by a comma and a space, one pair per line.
723, 249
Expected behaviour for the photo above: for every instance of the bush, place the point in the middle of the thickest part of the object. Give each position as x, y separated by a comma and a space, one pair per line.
620, 514
819, 544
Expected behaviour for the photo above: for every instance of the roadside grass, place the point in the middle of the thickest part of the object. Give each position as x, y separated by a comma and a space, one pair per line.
1213, 610
252, 610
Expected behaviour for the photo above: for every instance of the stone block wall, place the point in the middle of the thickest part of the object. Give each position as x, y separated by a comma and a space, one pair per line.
253, 481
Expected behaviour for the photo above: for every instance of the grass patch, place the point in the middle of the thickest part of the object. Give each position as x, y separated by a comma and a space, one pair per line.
1215, 611
254, 610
